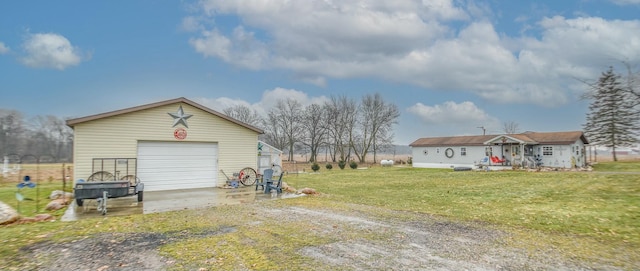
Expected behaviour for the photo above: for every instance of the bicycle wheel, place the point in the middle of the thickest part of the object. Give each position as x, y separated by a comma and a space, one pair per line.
101, 176
248, 176
277, 170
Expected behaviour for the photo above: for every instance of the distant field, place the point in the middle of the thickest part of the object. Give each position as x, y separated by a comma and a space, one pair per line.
621, 157
38, 172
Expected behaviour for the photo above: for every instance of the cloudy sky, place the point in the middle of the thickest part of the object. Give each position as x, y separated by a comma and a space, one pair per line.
450, 66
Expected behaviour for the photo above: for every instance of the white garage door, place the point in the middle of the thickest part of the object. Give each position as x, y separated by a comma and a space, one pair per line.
177, 165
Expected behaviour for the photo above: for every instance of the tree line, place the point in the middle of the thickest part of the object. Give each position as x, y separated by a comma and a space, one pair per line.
45, 138
613, 119
342, 126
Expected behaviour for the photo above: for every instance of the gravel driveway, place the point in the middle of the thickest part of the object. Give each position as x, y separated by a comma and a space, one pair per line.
415, 242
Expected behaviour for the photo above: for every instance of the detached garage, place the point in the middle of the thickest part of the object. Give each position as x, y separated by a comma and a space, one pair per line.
174, 144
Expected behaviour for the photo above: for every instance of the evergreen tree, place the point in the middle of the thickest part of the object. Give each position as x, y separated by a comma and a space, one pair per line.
611, 121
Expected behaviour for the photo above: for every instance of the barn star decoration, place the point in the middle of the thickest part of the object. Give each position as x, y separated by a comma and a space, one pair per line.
180, 117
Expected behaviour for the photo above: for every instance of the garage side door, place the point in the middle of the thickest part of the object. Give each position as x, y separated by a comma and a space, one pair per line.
177, 165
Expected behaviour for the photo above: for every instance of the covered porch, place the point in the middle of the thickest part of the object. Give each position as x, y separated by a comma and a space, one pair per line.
510, 150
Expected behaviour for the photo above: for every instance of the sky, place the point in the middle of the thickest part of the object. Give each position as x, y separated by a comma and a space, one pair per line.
450, 66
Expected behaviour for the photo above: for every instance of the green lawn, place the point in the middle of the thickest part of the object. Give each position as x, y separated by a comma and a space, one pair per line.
620, 166
605, 206
35, 199
584, 214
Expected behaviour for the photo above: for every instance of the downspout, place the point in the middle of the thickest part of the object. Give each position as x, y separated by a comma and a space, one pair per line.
522, 146
502, 157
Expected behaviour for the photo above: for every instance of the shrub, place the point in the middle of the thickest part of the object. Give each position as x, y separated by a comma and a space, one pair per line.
341, 164
410, 161
315, 167
353, 165
328, 166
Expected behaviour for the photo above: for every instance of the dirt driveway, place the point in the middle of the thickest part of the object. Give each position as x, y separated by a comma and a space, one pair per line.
414, 242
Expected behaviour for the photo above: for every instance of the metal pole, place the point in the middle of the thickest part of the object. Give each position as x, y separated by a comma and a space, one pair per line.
484, 131
38, 185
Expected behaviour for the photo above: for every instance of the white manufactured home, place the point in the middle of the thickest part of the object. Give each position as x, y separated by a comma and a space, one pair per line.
173, 144
529, 149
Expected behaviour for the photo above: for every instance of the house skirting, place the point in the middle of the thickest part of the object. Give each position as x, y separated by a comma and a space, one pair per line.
451, 166
442, 165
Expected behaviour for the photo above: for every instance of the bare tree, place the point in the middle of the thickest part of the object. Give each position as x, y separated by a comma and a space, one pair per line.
333, 127
510, 127
383, 141
286, 116
341, 116
41, 136
374, 116
50, 137
12, 132
274, 133
315, 129
245, 114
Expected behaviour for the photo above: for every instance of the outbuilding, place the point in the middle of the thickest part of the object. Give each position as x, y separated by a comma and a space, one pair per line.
268, 157
172, 144
501, 151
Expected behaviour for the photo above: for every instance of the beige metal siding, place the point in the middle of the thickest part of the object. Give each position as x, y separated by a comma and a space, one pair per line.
117, 137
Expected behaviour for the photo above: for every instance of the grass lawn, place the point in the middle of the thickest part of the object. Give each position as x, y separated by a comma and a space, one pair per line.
620, 166
35, 199
605, 206
584, 214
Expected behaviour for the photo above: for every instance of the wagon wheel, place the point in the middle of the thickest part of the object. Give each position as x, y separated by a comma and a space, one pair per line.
248, 176
133, 180
100, 176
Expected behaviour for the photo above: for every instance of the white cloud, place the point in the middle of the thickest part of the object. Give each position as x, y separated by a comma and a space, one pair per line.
268, 100
241, 48
320, 81
3, 48
213, 44
626, 2
270, 97
449, 118
219, 104
450, 113
421, 44
50, 50
305, 33
582, 40
191, 24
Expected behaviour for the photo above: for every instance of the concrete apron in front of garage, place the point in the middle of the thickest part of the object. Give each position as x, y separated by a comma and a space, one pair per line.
170, 200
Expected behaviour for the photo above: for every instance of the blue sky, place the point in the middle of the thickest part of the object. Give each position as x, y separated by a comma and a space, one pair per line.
450, 66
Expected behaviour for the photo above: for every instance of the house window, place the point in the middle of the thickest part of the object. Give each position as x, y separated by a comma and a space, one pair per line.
547, 151
463, 151
528, 150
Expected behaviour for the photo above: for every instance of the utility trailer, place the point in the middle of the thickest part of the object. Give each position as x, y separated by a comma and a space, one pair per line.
101, 191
